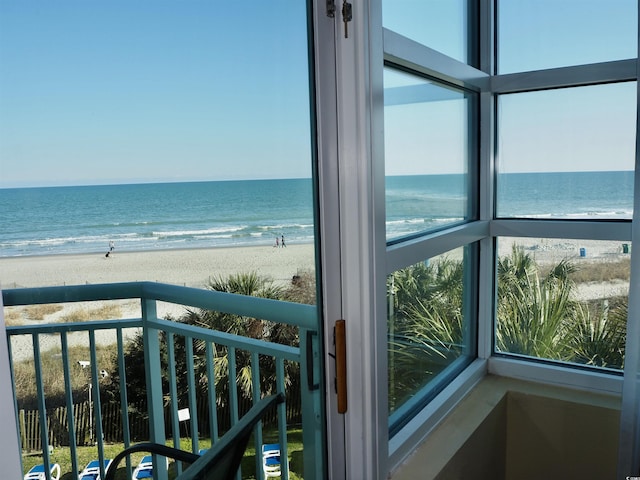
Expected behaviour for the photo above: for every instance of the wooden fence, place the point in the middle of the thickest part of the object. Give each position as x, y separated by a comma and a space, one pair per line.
58, 422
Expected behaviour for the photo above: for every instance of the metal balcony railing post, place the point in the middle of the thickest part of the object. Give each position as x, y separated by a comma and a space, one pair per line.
42, 409
124, 409
311, 404
153, 372
68, 392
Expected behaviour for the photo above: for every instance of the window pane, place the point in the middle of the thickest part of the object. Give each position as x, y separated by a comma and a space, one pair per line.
427, 154
563, 300
448, 26
431, 328
148, 128
540, 34
567, 153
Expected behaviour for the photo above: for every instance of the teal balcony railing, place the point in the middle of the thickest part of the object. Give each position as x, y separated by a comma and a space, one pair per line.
160, 338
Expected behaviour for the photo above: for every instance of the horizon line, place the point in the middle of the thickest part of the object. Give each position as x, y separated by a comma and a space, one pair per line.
168, 181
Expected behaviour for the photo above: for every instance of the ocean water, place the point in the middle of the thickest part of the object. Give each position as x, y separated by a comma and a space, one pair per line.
566, 195
52, 220
84, 219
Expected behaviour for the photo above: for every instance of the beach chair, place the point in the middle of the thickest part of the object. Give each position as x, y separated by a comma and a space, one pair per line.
271, 460
38, 472
92, 470
221, 461
144, 468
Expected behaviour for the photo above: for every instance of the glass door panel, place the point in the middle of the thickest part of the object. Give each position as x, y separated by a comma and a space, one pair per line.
170, 143
174, 138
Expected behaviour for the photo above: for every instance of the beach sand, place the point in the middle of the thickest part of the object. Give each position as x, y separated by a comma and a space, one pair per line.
551, 251
191, 268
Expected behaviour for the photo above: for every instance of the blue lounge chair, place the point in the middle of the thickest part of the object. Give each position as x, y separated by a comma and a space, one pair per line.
92, 470
271, 460
144, 469
38, 472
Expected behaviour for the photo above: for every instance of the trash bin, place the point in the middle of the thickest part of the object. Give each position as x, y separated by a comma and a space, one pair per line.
625, 248
583, 252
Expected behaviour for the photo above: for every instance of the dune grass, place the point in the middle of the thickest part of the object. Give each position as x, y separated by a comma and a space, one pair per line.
105, 311
13, 316
22, 315
38, 312
597, 271
53, 376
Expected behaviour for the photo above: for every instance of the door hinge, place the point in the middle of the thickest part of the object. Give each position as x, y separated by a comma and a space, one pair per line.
340, 343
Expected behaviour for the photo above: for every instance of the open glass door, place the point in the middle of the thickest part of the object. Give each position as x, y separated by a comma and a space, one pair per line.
173, 143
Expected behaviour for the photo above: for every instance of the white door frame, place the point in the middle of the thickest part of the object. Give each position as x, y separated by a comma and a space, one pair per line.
352, 233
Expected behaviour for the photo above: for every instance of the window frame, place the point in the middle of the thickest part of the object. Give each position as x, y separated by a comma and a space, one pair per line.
406, 53
410, 56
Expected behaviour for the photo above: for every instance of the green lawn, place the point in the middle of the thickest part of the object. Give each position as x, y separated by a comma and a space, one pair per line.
62, 456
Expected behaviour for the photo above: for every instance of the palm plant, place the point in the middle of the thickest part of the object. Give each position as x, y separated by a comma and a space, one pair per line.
535, 316
249, 284
426, 325
244, 284
600, 341
436, 319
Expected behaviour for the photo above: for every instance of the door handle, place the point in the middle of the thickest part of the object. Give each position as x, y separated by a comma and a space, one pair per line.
341, 364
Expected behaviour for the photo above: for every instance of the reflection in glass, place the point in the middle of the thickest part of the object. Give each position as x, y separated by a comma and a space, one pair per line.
427, 154
567, 153
540, 34
448, 26
431, 327
563, 300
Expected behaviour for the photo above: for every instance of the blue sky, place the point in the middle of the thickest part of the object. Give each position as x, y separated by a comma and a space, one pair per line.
121, 91
577, 129
127, 91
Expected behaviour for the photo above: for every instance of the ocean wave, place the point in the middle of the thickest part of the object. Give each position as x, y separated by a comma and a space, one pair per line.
285, 226
208, 231
614, 215
414, 221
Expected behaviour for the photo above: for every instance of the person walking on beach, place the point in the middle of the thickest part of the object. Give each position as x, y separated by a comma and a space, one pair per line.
282, 242
277, 242
111, 247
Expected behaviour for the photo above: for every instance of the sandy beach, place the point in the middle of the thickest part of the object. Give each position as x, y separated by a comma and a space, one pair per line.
191, 268
551, 251
195, 267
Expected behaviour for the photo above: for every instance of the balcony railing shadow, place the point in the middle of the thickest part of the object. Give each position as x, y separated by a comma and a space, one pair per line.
181, 361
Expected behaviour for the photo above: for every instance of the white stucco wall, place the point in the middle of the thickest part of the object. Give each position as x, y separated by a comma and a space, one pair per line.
9, 451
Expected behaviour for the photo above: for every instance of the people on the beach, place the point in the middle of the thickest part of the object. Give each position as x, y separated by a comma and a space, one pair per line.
277, 242
112, 245
282, 241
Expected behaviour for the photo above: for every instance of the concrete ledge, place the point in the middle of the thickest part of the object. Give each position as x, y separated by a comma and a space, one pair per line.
512, 429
